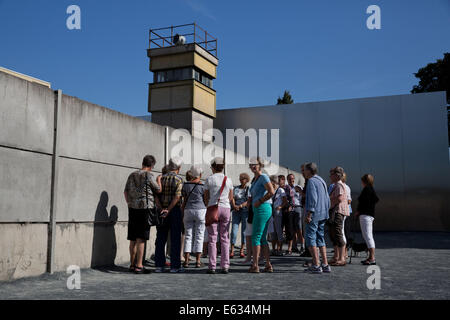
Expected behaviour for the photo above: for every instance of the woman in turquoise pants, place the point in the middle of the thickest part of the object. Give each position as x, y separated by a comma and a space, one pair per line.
261, 193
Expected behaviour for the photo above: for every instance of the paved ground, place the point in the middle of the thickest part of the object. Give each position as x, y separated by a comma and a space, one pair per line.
412, 265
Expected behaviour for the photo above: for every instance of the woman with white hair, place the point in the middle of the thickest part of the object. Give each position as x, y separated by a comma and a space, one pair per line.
171, 184
194, 216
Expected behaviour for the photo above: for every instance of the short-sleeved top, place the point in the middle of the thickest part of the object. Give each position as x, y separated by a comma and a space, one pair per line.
195, 193
213, 184
171, 187
241, 195
278, 197
294, 198
367, 201
330, 188
349, 196
257, 190
338, 190
139, 184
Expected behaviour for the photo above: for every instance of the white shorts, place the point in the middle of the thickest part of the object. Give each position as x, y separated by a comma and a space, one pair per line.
248, 230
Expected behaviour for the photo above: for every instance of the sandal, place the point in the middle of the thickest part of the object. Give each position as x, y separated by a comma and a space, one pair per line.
332, 260
141, 270
369, 263
338, 264
131, 268
253, 269
185, 264
231, 255
242, 255
199, 265
268, 269
288, 253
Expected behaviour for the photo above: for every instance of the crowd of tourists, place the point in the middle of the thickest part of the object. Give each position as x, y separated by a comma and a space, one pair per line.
266, 209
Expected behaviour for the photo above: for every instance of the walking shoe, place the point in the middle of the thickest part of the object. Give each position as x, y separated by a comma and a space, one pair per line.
211, 271
159, 270
179, 270
314, 269
326, 268
224, 271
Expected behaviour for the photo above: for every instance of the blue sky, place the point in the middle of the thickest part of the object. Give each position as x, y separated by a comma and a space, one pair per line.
319, 50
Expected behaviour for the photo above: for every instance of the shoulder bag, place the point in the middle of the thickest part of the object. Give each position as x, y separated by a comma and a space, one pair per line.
187, 198
212, 212
154, 214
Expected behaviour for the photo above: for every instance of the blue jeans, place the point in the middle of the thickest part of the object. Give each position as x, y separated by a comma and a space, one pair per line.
315, 234
173, 224
238, 217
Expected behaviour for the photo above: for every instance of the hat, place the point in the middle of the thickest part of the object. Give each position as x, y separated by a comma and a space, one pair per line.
196, 171
253, 160
217, 160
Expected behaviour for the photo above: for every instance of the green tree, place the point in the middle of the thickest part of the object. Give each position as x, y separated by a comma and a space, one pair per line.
435, 77
287, 99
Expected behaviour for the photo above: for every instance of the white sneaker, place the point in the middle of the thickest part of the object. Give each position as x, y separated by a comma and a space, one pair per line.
326, 268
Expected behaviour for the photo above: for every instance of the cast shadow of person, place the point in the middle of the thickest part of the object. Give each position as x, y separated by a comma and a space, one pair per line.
104, 245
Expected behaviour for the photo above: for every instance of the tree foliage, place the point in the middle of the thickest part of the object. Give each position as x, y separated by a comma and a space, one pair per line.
434, 77
287, 99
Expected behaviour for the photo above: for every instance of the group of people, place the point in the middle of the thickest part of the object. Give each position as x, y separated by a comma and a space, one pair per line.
265, 207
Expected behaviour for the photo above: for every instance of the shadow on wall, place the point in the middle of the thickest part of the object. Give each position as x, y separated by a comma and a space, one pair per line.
104, 245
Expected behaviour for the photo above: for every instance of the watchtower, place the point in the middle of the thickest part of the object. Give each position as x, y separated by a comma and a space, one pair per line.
184, 62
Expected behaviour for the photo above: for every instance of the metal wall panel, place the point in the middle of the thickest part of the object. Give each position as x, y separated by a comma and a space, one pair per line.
402, 140
381, 155
426, 166
338, 139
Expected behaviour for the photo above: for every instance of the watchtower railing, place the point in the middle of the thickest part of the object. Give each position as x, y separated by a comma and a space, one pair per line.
192, 32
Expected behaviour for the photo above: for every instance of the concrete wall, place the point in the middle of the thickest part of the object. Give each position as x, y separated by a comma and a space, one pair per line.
63, 167
402, 140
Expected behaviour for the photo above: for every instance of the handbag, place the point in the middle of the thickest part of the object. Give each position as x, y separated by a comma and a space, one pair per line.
154, 217
212, 212
250, 206
250, 214
332, 215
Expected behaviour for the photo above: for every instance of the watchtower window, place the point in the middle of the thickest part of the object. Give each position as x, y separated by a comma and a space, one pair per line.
183, 74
